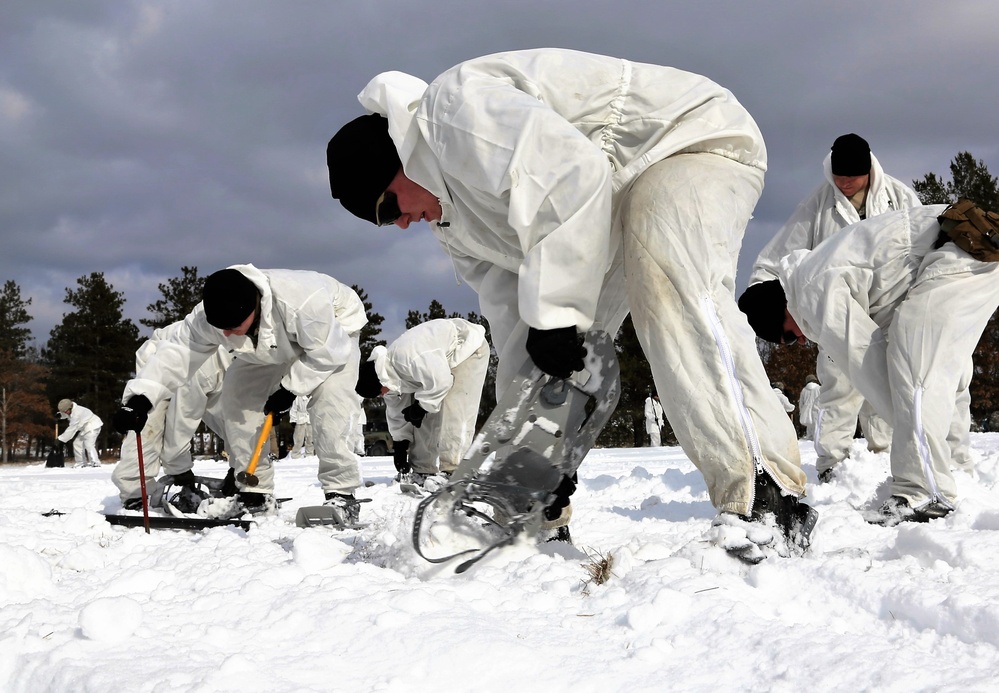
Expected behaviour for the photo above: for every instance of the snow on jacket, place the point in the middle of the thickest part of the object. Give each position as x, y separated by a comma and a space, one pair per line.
81, 420
421, 361
808, 404
529, 153
825, 211
307, 319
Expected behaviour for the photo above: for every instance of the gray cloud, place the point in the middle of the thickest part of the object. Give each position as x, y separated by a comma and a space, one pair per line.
137, 137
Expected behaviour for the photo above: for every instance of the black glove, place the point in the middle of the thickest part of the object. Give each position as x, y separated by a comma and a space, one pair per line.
414, 414
557, 352
400, 456
278, 403
562, 493
132, 415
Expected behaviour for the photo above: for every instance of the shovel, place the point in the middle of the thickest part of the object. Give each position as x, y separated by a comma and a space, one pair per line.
248, 477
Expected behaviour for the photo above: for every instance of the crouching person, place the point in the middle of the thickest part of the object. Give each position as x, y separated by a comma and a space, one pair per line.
83, 429
431, 378
291, 333
169, 427
899, 302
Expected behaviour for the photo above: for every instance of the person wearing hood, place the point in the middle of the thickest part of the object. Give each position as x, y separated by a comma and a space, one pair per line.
291, 333
808, 406
654, 420
431, 379
899, 302
301, 439
85, 426
170, 425
856, 187
568, 188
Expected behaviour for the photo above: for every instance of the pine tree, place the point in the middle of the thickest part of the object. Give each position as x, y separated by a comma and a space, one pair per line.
370, 332
91, 353
180, 296
969, 178
13, 316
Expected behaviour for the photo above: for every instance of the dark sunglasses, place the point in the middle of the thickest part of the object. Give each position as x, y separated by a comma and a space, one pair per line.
387, 209
790, 337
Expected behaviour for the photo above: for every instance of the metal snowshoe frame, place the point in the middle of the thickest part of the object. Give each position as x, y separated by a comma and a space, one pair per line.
539, 432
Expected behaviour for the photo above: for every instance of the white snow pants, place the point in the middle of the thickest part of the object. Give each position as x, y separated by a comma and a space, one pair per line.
840, 406
333, 411
301, 440
85, 448
684, 221
916, 377
166, 437
655, 434
448, 433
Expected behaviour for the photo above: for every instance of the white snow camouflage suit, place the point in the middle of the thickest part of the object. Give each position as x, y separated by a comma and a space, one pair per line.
441, 364
903, 320
576, 186
820, 215
307, 342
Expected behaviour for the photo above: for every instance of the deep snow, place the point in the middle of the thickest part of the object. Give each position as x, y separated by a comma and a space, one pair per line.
85, 606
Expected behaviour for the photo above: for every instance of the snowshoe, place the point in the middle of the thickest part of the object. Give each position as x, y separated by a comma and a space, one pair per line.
538, 433
340, 511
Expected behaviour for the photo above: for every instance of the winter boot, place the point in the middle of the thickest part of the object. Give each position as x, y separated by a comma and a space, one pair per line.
794, 519
348, 507
132, 503
897, 510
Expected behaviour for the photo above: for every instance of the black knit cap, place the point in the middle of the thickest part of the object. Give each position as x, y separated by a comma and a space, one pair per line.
362, 161
368, 384
851, 156
229, 297
764, 306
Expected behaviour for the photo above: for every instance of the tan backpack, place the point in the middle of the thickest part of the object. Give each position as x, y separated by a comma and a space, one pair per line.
972, 229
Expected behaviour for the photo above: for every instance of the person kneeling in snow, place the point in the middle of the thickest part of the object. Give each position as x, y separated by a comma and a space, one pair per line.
85, 425
431, 378
291, 333
899, 302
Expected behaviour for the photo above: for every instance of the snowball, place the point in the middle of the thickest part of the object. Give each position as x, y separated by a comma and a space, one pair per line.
110, 619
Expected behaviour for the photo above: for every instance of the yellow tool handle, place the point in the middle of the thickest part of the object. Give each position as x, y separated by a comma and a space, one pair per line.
264, 432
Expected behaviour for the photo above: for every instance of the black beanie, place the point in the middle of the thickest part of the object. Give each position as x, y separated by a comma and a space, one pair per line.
229, 297
764, 306
368, 384
851, 156
362, 161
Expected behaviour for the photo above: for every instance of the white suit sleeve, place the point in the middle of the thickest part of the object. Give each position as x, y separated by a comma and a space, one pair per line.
556, 185
798, 233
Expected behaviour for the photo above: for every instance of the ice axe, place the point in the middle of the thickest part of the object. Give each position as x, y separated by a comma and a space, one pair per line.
142, 482
248, 477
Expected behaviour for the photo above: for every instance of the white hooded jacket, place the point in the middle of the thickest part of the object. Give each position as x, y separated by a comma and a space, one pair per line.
81, 420
421, 361
306, 319
529, 153
826, 211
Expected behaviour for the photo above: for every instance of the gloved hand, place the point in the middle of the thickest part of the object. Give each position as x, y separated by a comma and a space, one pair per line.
562, 493
400, 456
414, 414
278, 403
557, 352
132, 415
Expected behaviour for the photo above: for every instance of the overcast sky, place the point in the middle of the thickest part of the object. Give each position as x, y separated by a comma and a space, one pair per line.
139, 137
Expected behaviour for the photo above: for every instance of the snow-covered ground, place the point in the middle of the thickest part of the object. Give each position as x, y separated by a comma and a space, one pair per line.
85, 606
